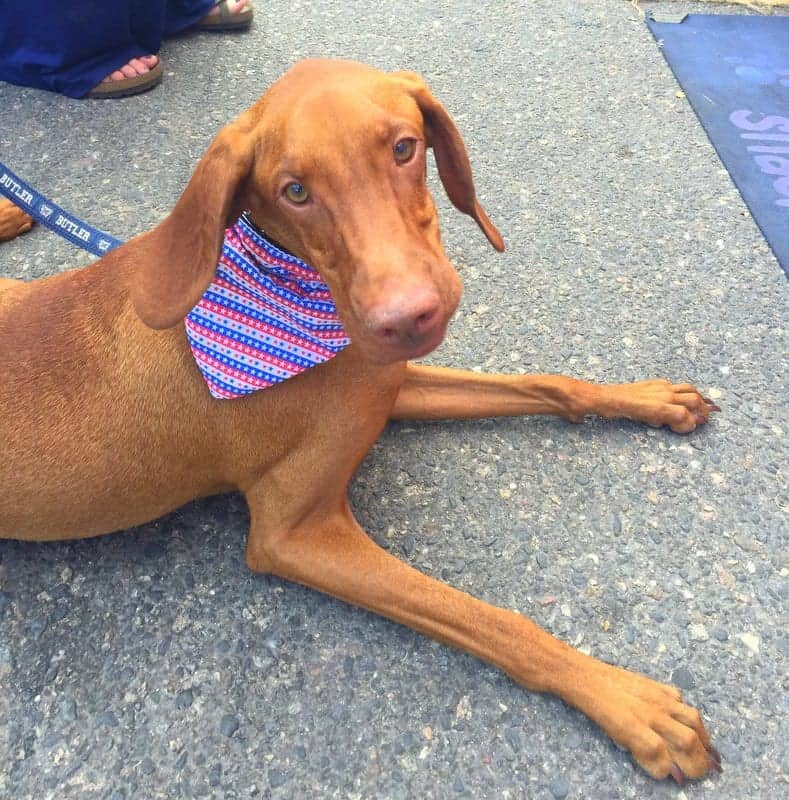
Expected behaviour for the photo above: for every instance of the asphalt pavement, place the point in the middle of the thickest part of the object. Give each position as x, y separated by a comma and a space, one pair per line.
153, 664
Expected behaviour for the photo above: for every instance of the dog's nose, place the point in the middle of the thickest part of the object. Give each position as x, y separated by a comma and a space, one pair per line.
406, 318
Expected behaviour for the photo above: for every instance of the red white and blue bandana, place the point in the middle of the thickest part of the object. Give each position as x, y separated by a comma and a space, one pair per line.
266, 317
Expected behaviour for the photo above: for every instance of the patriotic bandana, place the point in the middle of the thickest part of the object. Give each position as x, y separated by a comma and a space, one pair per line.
266, 317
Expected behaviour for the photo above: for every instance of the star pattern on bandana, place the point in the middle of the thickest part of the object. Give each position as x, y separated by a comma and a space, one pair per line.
267, 316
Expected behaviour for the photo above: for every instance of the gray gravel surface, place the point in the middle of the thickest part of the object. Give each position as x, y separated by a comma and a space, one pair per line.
152, 664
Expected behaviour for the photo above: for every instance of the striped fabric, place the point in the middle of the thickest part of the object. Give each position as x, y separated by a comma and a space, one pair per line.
266, 317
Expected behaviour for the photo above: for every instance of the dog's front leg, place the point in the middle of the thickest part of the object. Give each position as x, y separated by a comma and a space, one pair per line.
327, 550
441, 393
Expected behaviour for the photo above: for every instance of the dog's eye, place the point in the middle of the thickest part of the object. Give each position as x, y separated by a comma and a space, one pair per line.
297, 193
403, 150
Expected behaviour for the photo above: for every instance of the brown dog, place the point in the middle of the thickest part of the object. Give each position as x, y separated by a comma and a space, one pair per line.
106, 422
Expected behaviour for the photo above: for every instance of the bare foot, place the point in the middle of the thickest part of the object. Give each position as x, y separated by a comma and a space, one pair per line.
227, 15
233, 6
135, 67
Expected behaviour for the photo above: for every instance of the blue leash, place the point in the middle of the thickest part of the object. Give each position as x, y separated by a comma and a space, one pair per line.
53, 216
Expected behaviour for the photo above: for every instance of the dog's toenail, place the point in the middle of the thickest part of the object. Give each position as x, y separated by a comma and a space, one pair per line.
678, 774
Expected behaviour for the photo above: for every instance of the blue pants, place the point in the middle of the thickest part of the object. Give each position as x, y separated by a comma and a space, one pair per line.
69, 46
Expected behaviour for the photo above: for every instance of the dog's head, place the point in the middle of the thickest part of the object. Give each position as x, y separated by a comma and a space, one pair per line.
331, 164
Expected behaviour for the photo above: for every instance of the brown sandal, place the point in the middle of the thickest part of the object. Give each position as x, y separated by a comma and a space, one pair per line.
126, 87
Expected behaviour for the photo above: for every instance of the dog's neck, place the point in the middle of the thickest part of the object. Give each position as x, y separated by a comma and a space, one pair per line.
247, 218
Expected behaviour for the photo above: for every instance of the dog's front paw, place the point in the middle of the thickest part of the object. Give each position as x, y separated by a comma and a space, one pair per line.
665, 736
659, 402
13, 221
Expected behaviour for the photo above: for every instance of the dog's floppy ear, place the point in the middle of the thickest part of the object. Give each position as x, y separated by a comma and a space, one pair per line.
176, 261
452, 161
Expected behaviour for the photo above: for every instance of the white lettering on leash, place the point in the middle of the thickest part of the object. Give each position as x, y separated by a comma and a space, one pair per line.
770, 158
74, 229
21, 194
